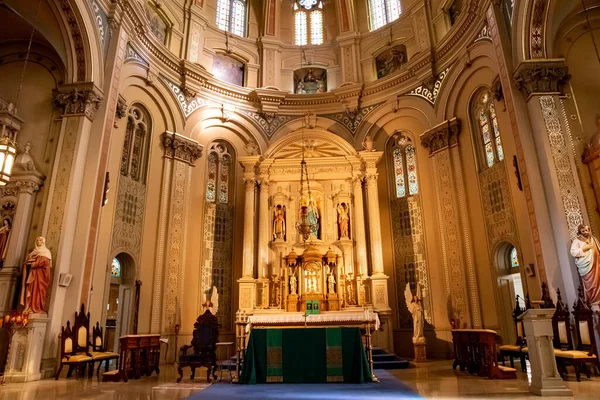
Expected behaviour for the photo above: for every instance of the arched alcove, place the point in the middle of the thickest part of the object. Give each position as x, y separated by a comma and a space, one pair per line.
120, 299
510, 286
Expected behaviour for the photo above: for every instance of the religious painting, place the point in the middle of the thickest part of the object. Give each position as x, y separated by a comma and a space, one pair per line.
228, 69
310, 80
390, 61
158, 26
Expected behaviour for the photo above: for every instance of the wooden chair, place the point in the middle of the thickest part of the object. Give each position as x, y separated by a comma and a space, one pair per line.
204, 344
68, 353
519, 349
98, 351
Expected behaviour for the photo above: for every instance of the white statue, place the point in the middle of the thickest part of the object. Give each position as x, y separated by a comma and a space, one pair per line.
214, 301
331, 283
293, 284
415, 308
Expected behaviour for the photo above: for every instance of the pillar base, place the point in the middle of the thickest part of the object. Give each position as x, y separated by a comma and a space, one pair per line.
420, 352
26, 351
247, 290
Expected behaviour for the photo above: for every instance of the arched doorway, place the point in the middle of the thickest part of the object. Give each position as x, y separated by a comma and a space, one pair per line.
119, 305
510, 287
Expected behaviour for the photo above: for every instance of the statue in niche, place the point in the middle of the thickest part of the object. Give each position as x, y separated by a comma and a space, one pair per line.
293, 284
343, 220
4, 236
279, 222
350, 297
313, 218
586, 250
413, 302
330, 283
36, 278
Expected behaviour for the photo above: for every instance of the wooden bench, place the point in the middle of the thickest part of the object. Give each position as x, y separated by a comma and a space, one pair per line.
475, 351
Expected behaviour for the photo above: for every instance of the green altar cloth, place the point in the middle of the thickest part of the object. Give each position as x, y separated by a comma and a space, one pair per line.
305, 355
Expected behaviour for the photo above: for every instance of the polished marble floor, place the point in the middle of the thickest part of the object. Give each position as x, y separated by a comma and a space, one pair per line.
432, 380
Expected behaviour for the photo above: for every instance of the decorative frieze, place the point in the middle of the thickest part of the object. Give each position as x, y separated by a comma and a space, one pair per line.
77, 99
497, 89
181, 148
430, 89
541, 77
442, 136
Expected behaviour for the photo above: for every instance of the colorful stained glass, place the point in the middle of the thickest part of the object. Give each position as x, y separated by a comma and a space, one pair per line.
316, 27
487, 137
489, 154
378, 13
514, 260
499, 148
223, 14
127, 146
301, 28
224, 179
115, 268
399, 173
212, 177
393, 10
411, 170
238, 22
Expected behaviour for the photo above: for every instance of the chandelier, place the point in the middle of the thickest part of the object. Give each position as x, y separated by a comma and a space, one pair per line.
304, 226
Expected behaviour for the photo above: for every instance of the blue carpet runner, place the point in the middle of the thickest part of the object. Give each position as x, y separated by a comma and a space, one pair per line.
388, 388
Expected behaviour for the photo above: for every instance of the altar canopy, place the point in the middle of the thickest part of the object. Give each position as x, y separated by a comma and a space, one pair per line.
306, 355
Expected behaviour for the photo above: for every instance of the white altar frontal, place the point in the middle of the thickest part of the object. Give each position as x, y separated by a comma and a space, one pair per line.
283, 270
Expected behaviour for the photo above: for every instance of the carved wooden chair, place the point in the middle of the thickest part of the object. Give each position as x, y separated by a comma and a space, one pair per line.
98, 351
68, 353
519, 349
204, 345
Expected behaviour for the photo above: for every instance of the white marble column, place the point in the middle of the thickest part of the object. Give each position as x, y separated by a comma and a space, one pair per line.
248, 252
264, 221
359, 227
374, 224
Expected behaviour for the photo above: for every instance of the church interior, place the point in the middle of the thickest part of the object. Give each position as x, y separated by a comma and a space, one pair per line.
368, 197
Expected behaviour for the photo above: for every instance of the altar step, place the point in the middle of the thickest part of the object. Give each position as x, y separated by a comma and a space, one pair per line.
385, 360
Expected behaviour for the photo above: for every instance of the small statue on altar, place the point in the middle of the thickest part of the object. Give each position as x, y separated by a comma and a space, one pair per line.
36, 278
586, 250
414, 304
343, 220
351, 298
293, 284
313, 218
279, 222
330, 283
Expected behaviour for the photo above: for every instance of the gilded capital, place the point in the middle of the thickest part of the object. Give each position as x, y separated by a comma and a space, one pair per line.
77, 99
179, 147
541, 77
442, 136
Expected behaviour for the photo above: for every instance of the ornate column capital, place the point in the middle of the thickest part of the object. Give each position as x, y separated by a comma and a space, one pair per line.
250, 184
77, 99
121, 109
179, 147
541, 77
27, 187
371, 179
442, 136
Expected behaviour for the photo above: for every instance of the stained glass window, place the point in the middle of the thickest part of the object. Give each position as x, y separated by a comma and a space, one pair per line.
115, 268
382, 12
514, 260
231, 16
489, 129
499, 149
224, 180
219, 172
136, 144
405, 168
212, 177
411, 170
305, 28
487, 137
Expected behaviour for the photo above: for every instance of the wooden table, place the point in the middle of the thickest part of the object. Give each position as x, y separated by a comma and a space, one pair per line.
138, 355
475, 351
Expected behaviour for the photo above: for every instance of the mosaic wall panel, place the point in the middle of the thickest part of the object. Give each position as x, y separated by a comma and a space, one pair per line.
129, 218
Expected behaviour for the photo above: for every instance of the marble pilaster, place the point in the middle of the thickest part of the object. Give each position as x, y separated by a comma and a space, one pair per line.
360, 240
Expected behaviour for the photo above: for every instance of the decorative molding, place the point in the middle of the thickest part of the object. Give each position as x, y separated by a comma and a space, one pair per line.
541, 77
429, 90
562, 164
484, 34
27, 187
77, 99
77, 37
497, 90
268, 125
352, 120
101, 20
442, 136
181, 148
129, 218
121, 108
537, 29
8, 191
133, 56
187, 100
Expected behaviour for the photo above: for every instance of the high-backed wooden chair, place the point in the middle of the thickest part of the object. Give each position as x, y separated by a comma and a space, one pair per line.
68, 353
519, 349
204, 344
98, 351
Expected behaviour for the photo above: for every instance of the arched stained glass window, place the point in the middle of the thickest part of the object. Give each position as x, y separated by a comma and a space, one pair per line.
115, 268
487, 124
308, 20
405, 167
514, 260
231, 16
382, 12
134, 158
219, 174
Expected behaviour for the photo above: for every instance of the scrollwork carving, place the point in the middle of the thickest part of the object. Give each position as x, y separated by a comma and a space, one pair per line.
77, 100
541, 77
181, 148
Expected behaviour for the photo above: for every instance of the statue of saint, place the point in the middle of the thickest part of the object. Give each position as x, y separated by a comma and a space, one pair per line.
313, 218
36, 278
586, 250
4, 235
343, 220
279, 223
416, 310
293, 284
330, 283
